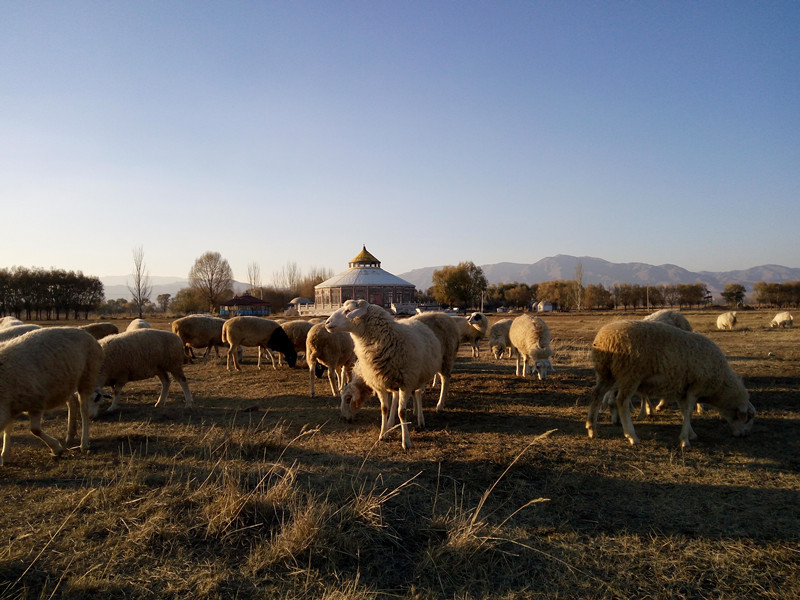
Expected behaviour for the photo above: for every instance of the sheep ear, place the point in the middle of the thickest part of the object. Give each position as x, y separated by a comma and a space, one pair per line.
358, 312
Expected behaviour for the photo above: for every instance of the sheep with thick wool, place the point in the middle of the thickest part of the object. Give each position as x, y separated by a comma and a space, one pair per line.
726, 320
297, 332
530, 338
42, 370
334, 350
199, 331
9, 322
656, 359
449, 336
9, 333
395, 356
472, 330
782, 320
137, 324
246, 330
499, 342
137, 355
101, 329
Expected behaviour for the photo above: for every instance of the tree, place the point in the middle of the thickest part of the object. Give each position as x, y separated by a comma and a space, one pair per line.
578, 286
212, 277
288, 278
733, 293
254, 278
461, 285
163, 302
140, 289
187, 301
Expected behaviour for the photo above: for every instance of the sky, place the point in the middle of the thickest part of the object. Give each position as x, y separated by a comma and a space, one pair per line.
433, 132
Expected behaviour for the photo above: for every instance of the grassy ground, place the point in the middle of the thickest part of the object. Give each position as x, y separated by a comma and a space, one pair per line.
261, 491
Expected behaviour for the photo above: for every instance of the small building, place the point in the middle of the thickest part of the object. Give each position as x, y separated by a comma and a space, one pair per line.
363, 280
543, 306
245, 305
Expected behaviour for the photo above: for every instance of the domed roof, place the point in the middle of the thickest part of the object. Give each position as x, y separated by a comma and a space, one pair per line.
364, 271
365, 258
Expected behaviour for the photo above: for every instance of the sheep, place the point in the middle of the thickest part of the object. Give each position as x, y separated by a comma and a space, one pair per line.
782, 319
100, 330
726, 320
332, 350
9, 333
297, 331
354, 393
499, 343
473, 329
200, 331
670, 317
138, 324
137, 355
530, 338
42, 370
9, 322
255, 331
446, 330
656, 359
395, 356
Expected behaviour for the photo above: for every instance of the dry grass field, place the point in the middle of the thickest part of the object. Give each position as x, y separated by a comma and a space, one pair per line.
263, 492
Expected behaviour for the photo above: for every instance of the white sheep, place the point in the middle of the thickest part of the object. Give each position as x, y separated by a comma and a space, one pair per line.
530, 338
782, 319
42, 370
395, 356
656, 359
9, 322
137, 324
332, 350
101, 330
200, 331
255, 331
297, 331
726, 320
9, 333
499, 342
472, 329
449, 336
670, 317
137, 355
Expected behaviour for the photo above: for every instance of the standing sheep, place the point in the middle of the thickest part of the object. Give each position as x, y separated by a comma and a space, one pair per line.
297, 331
101, 330
670, 317
656, 359
199, 331
499, 342
394, 356
137, 355
726, 320
42, 370
448, 335
782, 319
473, 329
332, 350
255, 331
137, 324
530, 338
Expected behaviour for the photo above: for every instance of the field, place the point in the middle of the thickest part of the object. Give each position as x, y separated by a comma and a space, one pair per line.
263, 492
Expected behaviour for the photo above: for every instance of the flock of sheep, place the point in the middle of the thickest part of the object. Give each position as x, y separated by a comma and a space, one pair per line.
365, 351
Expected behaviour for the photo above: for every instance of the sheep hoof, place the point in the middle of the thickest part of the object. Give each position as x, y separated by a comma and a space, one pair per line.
685, 444
632, 439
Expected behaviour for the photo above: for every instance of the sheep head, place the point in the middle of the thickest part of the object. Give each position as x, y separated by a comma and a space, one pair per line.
342, 319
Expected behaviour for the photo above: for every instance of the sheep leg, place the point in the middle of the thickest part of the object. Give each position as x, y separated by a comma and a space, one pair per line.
232, 355
418, 409
330, 381
518, 359
687, 405
162, 399
598, 393
36, 429
187, 393
386, 401
624, 410
6, 423
445, 381
115, 400
72, 420
84, 400
401, 415
312, 365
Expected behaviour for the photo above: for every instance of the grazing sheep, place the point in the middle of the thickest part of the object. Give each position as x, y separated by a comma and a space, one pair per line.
297, 331
446, 330
656, 359
670, 317
499, 342
138, 324
42, 370
255, 331
726, 320
137, 355
473, 329
530, 338
200, 331
395, 356
332, 350
100, 330
354, 393
9, 322
9, 333
782, 319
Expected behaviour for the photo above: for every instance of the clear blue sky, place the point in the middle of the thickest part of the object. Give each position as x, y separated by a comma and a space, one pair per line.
433, 132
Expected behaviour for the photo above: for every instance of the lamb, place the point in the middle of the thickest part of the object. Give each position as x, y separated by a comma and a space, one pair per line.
9, 333
138, 324
530, 338
100, 330
499, 342
9, 322
473, 329
42, 370
726, 320
137, 355
782, 319
332, 350
656, 359
394, 356
255, 331
446, 330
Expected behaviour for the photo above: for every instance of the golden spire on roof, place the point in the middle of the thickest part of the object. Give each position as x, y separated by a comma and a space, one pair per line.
365, 259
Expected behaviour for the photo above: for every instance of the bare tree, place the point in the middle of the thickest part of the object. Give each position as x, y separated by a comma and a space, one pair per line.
254, 277
578, 291
212, 277
140, 289
288, 278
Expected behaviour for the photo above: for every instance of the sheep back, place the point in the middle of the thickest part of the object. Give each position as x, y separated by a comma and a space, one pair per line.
101, 330
137, 324
530, 336
332, 349
199, 331
297, 331
447, 332
140, 354
15, 331
670, 317
498, 337
782, 319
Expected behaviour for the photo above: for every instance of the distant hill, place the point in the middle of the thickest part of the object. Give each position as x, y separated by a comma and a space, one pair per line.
116, 286
597, 270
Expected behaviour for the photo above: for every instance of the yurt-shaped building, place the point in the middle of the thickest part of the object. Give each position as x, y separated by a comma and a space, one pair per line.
364, 280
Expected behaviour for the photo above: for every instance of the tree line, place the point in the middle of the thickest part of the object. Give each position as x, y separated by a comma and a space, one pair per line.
48, 294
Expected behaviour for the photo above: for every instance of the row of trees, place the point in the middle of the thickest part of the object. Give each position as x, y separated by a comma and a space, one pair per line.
48, 294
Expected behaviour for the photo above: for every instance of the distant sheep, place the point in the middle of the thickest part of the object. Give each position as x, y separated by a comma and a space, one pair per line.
137, 355
656, 359
9, 333
782, 319
201, 331
101, 330
499, 342
530, 338
473, 329
332, 350
726, 320
138, 324
394, 356
255, 331
42, 370
9, 322
670, 317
